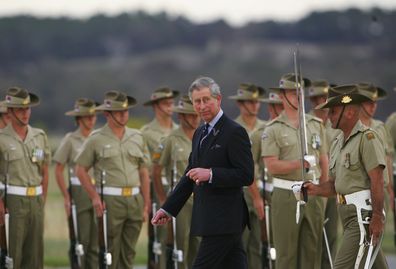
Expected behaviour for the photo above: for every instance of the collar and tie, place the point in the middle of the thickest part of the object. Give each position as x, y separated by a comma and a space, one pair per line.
204, 135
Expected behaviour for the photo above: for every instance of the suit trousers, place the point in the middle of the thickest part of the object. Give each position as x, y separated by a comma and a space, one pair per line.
221, 251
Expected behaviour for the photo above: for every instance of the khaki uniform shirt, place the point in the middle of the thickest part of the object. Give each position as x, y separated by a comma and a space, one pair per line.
391, 127
121, 159
25, 158
351, 160
153, 133
256, 151
281, 139
384, 134
175, 148
258, 124
69, 147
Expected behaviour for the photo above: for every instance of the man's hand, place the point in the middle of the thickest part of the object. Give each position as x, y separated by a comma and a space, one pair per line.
259, 206
199, 175
98, 206
146, 212
312, 189
160, 218
2, 212
66, 203
376, 227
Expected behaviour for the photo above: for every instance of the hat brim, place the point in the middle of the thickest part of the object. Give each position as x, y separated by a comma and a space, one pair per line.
337, 101
34, 101
182, 111
269, 101
382, 94
151, 102
131, 103
82, 114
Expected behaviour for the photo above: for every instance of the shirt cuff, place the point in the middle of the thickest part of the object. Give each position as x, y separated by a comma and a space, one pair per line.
210, 175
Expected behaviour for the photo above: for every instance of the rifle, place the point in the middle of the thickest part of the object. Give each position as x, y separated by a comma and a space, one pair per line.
268, 252
5, 260
76, 250
156, 250
105, 258
176, 254
394, 203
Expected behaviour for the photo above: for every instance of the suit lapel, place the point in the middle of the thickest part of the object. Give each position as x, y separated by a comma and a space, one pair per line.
195, 149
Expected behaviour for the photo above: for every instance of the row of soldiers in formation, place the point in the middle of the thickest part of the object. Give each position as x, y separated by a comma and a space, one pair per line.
160, 151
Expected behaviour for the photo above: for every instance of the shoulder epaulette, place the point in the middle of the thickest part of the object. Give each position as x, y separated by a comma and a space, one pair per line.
312, 117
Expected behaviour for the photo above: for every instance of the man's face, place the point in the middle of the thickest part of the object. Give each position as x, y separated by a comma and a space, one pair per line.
20, 116
274, 110
190, 120
164, 106
317, 100
88, 121
370, 107
249, 108
205, 104
290, 95
118, 117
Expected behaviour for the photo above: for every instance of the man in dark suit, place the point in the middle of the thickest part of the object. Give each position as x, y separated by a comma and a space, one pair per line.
220, 164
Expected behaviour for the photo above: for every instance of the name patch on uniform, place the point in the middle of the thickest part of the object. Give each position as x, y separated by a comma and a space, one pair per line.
370, 136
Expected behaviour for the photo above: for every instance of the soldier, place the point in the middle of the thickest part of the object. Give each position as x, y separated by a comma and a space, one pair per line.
122, 154
368, 109
317, 93
357, 161
25, 156
297, 245
4, 119
162, 101
274, 107
247, 100
85, 116
176, 149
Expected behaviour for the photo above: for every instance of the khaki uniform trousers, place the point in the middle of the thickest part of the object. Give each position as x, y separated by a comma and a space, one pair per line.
26, 246
185, 241
347, 253
331, 231
298, 246
251, 239
87, 228
125, 218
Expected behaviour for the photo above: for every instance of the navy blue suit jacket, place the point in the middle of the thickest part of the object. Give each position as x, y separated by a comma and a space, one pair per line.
219, 207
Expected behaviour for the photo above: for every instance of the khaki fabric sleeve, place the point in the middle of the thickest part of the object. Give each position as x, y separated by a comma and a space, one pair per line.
86, 156
47, 150
166, 153
389, 148
323, 136
269, 145
146, 160
372, 151
63, 152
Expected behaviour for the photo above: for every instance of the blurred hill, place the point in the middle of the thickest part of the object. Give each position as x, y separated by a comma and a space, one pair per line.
62, 59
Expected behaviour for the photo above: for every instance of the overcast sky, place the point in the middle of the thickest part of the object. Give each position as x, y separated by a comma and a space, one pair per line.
236, 12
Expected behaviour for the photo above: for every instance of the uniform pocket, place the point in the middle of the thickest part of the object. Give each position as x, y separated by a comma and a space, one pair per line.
135, 155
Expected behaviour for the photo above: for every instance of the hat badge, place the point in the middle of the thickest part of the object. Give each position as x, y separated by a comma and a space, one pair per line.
255, 94
181, 104
125, 104
346, 99
375, 95
8, 98
26, 101
108, 103
240, 92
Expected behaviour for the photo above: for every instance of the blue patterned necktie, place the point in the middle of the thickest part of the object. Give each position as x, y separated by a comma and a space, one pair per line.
204, 135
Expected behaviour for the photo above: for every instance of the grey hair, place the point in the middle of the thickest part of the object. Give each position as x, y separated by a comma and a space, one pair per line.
204, 82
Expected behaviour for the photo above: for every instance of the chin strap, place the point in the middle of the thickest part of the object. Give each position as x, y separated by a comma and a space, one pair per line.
288, 101
119, 123
339, 118
15, 116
